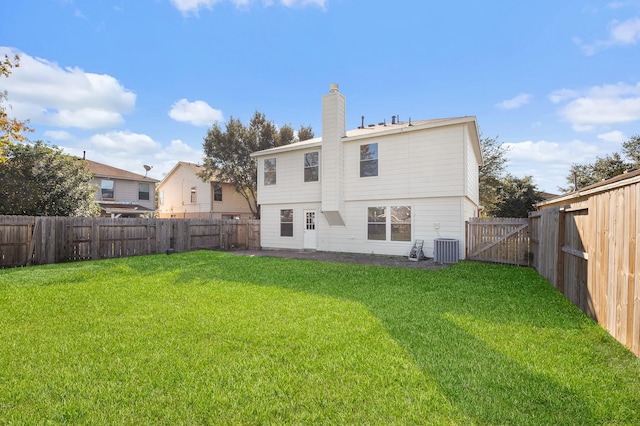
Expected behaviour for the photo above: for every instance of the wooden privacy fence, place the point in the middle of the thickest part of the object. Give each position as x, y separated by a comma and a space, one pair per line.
26, 240
587, 245
498, 240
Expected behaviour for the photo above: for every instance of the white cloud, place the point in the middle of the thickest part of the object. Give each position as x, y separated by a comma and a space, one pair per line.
198, 113
123, 144
615, 136
517, 102
620, 34
558, 96
599, 105
59, 135
45, 93
187, 7
549, 162
130, 151
178, 150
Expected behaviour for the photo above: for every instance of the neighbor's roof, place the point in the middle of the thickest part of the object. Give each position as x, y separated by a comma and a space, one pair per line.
105, 171
380, 129
111, 207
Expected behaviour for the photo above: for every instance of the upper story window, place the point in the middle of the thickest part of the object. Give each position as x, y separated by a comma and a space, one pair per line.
217, 192
161, 197
143, 191
369, 160
106, 188
193, 194
270, 171
311, 167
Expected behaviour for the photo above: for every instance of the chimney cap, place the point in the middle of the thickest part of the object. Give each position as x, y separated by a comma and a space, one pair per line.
333, 87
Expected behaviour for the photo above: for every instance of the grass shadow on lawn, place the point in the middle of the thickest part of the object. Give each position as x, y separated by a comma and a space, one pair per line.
312, 342
499, 340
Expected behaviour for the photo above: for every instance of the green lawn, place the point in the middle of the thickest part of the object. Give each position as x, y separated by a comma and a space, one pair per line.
210, 337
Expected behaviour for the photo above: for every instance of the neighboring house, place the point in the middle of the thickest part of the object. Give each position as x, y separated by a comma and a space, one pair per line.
121, 193
374, 189
182, 193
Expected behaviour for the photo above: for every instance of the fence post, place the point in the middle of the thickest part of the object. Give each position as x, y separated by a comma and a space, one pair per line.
560, 261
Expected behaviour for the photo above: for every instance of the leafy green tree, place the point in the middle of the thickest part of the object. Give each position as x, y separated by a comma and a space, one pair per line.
606, 167
516, 196
227, 152
40, 180
490, 173
631, 150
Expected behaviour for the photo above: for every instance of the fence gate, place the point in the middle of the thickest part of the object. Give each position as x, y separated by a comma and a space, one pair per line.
498, 240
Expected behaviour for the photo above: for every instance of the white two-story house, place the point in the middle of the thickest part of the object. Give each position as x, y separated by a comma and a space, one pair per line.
183, 193
374, 189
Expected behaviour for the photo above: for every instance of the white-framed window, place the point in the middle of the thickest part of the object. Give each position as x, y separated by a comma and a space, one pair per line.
286, 223
377, 223
217, 192
389, 223
194, 195
270, 171
143, 191
107, 188
311, 166
400, 223
161, 198
369, 160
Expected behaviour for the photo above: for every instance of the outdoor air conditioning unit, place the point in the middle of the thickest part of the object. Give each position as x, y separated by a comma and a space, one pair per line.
445, 250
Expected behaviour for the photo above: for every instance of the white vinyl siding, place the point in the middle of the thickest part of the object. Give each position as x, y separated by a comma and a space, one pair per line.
290, 177
472, 171
410, 165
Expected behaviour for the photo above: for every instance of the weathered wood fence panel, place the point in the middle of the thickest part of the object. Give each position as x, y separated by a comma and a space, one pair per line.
28, 240
498, 240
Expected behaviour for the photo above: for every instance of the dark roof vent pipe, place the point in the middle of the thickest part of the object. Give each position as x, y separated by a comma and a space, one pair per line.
393, 119
362, 125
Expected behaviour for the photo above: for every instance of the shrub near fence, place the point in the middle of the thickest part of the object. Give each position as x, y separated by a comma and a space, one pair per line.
26, 240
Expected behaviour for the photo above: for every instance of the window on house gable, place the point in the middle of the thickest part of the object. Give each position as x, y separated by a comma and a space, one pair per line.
193, 195
286, 223
217, 192
401, 223
369, 160
106, 188
270, 171
377, 223
143, 191
311, 167
161, 198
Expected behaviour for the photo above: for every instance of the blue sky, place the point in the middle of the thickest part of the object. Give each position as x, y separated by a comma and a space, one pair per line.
140, 82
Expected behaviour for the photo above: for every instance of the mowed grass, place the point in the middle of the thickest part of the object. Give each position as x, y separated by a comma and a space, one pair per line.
214, 338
